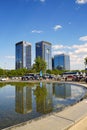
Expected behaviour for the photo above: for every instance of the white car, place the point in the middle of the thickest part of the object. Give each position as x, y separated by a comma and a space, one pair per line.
3, 79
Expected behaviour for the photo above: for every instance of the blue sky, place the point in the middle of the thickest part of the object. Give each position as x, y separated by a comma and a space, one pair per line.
61, 22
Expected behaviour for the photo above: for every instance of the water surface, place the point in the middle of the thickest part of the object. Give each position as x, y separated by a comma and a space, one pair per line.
23, 102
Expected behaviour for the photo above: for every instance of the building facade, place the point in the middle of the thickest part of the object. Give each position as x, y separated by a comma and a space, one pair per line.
43, 49
62, 61
23, 55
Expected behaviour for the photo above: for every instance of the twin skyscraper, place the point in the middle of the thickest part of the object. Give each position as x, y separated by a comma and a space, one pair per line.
23, 54
44, 50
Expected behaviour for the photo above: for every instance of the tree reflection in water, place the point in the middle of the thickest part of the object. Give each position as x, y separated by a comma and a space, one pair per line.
43, 104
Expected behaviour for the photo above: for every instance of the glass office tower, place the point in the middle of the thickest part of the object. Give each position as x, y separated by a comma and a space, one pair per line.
43, 49
62, 61
23, 55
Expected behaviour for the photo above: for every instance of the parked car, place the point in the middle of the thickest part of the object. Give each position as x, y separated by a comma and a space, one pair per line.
45, 76
3, 79
52, 76
28, 77
69, 78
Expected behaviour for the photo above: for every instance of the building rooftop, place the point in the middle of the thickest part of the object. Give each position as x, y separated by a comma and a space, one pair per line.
23, 42
44, 42
61, 54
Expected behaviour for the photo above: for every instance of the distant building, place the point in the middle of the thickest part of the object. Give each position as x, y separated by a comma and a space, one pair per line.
23, 55
43, 49
62, 61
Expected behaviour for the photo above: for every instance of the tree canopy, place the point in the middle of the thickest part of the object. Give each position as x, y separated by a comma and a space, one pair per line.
85, 62
39, 65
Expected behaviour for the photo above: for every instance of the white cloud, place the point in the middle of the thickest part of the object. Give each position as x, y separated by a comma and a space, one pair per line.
57, 27
35, 0
81, 1
80, 49
56, 52
37, 31
10, 57
57, 47
77, 54
38, 0
42, 0
8, 62
84, 38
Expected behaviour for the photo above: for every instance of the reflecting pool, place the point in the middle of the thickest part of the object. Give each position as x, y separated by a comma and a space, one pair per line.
23, 102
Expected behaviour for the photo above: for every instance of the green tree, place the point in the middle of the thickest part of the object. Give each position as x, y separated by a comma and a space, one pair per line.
1, 72
85, 62
39, 65
59, 67
49, 71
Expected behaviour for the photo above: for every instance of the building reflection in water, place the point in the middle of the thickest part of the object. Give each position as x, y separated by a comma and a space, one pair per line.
62, 90
23, 99
47, 97
43, 95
